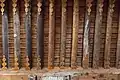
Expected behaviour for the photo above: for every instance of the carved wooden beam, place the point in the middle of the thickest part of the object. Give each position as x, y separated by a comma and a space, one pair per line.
98, 24
75, 33
63, 33
28, 34
16, 23
5, 59
108, 34
118, 44
40, 35
85, 61
51, 34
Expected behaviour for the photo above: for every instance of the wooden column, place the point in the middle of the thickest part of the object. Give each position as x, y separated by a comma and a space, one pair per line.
63, 34
40, 35
75, 33
118, 44
108, 34
85, 61
51, 34
16, 24
5, 60
98, 24
28, 34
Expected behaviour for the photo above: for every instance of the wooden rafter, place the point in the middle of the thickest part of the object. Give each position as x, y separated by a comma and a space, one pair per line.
98, 24
40, 35
75, 33
5, 59
16, 23
118, 45
28, 34
63, 33
108, 34
85, 60
51, 34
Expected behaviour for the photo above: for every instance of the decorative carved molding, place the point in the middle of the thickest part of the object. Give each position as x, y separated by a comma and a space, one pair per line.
14, 6
4, 64
51, 9
27, 63
27, 6
100, 3
2, 6
39, 5
38, 62
89, 5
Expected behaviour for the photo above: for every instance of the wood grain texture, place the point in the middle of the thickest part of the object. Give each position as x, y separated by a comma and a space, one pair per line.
51, 34
16, 25
5, 59
85, 61
98, 24
108, 34
63, 33
118, 45
40, 34
28, 34
75, 33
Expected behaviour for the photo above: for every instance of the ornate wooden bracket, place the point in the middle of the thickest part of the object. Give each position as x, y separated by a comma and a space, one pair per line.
27, 6
39, 5
108, 34
4, 64
63, 33
89, 5
75, 33
51, 34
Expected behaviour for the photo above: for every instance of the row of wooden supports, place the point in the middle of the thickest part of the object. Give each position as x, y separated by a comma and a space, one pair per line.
40, 34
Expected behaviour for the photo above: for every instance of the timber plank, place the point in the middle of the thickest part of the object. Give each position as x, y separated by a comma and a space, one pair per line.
97, 35
108, 34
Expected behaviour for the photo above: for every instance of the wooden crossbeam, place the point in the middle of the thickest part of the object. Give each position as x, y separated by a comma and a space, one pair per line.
63, 34
108, 34
51, 34
28, 34
5, 60
98, 24
85, 61
118, 45
16, 24
40, 35
75, 33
